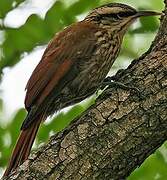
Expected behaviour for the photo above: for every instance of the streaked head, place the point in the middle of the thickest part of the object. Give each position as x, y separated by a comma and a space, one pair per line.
118, 15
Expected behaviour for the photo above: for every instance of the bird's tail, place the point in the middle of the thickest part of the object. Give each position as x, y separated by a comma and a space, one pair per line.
23, 146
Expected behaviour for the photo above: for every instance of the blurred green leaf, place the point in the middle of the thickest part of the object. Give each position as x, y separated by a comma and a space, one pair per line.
7, 5
54, 19
82, 6
13, 129
23, 39
15, 124
148, 24
153, 167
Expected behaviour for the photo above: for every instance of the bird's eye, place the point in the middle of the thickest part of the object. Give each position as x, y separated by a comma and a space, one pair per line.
112, 16
116, 16
122, 15
125, 14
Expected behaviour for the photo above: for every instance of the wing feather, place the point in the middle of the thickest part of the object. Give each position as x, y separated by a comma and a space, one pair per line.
60, 55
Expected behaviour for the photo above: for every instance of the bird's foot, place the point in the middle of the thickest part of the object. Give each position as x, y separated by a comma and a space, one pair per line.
109, 82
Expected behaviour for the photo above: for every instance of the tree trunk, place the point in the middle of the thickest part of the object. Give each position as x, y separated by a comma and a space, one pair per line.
118, 133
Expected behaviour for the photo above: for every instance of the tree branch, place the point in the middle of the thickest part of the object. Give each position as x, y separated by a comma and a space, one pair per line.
118, 133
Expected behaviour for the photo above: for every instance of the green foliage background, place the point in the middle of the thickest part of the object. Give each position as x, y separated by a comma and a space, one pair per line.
36, 32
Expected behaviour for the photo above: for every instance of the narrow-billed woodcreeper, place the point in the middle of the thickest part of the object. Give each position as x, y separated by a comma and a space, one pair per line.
72, 67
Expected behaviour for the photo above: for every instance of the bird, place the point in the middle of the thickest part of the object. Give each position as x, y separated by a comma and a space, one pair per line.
74, 64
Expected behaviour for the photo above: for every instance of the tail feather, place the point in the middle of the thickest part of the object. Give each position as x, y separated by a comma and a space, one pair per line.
30, 143
23, 146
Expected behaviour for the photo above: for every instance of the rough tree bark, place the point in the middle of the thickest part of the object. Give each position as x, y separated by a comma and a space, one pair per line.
118, 133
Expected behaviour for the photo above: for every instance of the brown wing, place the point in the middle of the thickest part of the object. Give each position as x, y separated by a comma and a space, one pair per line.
63, 51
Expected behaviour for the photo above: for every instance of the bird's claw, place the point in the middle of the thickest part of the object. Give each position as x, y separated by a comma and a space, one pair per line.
108, 82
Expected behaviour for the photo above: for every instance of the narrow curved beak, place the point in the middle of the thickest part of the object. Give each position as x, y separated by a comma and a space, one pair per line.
147, 13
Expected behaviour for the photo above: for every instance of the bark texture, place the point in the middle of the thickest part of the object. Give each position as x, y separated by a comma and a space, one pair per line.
118, 133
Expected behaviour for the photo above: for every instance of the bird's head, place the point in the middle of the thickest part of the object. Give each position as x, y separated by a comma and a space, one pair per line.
118, 16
